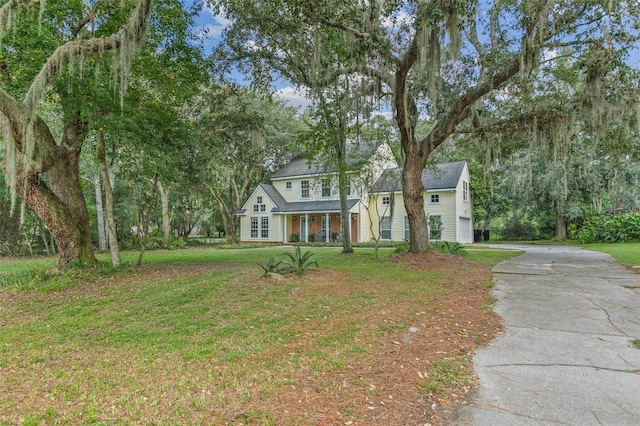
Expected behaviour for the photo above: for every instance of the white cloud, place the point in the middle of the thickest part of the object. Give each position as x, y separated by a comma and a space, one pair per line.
213, 24
293, 97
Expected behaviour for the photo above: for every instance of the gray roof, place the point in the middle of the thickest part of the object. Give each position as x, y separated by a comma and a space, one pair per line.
442, 176
319, 206
301, 166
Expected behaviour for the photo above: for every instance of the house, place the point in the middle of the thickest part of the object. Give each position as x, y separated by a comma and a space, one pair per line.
447, 204
302, 203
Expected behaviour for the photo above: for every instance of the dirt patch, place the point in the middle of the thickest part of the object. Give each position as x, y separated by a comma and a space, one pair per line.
388, 387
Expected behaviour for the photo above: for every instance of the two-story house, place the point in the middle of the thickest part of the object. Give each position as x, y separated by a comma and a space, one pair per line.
302, 203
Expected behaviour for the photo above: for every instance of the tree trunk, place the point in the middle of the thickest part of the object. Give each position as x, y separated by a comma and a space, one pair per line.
61, 207
114, 249
345, 216
102, 240
166, 219
413, 193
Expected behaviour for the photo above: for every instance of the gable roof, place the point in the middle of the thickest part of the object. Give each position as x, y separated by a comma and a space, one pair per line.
443, 176
283, 206
300, 166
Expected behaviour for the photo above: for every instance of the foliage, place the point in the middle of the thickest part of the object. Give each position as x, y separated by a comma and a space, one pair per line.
448, 247
402, 247
611, 229
271, 267
298, 262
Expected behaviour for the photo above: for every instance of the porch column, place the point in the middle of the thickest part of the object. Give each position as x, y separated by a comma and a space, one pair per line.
284, 228
327, 227
306, 225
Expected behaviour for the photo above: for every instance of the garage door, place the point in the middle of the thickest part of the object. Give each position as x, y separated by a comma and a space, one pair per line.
465, 235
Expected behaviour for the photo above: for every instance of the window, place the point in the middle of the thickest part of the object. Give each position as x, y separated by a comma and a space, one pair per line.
304, 189
386, 200
465, 190
259, 227
326, 187
385, 228
254, 227
435, 199
406, 228
288, 185
348, 185
259, 207
435, 227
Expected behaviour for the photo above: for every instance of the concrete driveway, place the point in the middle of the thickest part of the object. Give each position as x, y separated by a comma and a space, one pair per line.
566, 356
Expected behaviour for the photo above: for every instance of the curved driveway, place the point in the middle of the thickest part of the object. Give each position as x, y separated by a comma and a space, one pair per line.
565, 357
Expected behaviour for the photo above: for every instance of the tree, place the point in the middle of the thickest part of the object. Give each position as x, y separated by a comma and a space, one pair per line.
431, 57
247, 134
55, 61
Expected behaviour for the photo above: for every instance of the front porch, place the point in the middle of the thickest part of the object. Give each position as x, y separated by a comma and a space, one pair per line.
317, 227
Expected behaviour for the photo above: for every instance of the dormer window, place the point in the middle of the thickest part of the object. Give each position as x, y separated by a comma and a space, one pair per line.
288, 185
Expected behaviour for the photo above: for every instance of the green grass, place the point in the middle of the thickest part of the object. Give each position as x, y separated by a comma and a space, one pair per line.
636, 343
627, 254
197, 335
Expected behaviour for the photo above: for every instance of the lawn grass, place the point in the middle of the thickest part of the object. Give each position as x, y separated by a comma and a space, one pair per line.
627, 254
194, 336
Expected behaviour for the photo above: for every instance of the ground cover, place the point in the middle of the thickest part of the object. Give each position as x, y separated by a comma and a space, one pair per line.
199, 337
627, 254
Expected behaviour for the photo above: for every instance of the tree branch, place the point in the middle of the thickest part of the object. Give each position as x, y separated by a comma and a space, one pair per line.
122, 43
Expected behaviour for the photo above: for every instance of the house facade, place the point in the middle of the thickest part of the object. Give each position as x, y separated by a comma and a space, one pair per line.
302, 203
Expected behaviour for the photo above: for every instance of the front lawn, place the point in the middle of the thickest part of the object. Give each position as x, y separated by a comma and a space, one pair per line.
198, 337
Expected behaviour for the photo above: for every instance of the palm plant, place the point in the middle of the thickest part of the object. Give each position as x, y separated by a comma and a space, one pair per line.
298, 262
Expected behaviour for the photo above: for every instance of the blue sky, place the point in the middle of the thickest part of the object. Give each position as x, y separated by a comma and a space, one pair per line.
215, 25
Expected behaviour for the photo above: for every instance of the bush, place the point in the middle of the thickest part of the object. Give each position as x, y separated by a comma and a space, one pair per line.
298, 262
611, 229
448, 247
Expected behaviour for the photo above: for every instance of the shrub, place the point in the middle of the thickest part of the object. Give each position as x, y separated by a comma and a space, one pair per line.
448, 247
298, 262
610, 229
271, 268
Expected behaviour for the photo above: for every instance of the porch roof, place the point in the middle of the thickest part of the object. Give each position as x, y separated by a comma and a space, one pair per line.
325, 206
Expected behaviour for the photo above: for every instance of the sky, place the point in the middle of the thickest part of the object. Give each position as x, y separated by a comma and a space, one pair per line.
215, 25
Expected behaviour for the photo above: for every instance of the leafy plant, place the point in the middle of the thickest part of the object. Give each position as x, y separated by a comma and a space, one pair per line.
449, 247
298, 262
611, 229
271, 268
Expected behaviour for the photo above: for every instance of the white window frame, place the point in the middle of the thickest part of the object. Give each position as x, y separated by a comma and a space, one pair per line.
305, 189
259, 226
434, 199
386, 200
325, 190
465, 190
432, 236
288, 185
348, 186
383, 220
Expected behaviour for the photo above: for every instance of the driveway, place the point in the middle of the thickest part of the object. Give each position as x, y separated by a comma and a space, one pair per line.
565, 357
